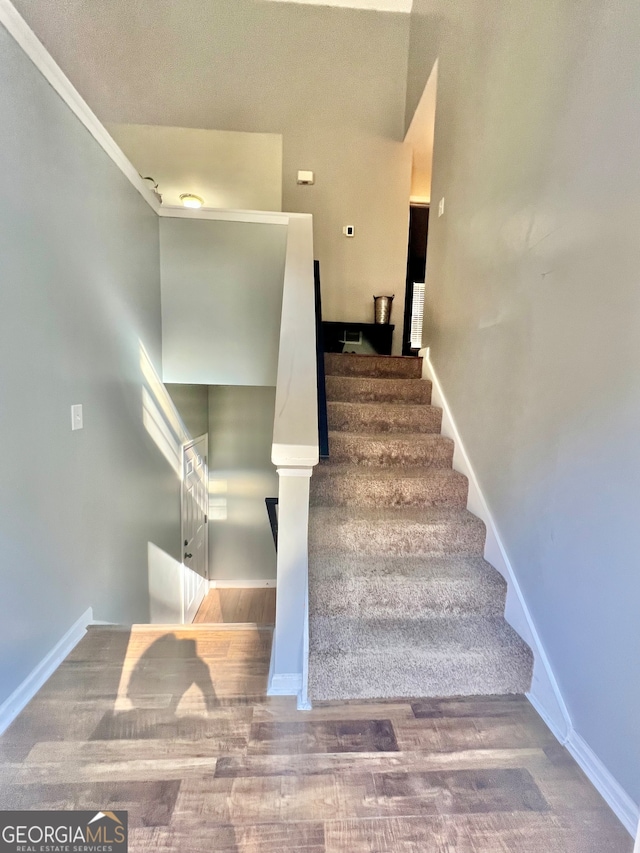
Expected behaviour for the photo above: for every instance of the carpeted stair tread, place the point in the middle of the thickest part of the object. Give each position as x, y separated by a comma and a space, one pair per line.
384, 417
400, 530
427, 449
367, 389
349, 364
387, 586
344, 484
335, 563
360, 658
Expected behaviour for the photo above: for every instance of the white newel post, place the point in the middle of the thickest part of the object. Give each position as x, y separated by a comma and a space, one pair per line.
290, 638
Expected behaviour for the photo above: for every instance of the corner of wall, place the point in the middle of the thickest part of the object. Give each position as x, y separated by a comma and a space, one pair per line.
25, 692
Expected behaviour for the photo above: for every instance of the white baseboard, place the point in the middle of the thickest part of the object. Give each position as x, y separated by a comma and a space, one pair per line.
617, 798
269, 583
288, 684
285, 684
545, 695
23, 694
197, 627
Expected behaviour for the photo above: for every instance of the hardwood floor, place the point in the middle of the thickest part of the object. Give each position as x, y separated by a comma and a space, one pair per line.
175, 727
238, 605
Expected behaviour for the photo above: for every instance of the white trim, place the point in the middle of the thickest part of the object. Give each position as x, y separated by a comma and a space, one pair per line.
285, 684
259, 583
304, 703
198, 627
617, 798
545, 694
24, 36
260, 216
288, 684
294, 472
25, 692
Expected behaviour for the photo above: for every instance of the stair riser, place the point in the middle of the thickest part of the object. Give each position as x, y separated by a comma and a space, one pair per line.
341, 678
384, 417
336, 364
367, 451
345, 490
404, 538
393, 598
350, 389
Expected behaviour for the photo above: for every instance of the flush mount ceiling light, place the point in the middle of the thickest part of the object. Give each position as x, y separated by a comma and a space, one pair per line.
190, 200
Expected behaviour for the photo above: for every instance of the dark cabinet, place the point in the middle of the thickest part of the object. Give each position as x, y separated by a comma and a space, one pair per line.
357, 337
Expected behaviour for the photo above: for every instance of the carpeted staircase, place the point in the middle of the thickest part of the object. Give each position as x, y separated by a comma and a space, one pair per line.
401, 601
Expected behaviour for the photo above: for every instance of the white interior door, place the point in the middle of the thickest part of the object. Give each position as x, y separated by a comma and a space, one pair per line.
195, 493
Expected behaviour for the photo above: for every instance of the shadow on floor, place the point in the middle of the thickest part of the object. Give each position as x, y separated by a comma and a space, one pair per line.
162, 676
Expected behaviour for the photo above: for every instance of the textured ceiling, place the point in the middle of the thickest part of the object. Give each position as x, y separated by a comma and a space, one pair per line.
239, 65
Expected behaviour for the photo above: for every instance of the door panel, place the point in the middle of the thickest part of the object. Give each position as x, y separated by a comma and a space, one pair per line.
195, 494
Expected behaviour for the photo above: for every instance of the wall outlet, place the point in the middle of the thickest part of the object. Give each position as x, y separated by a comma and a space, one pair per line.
348, 231
76, 416
441, 207
306, 178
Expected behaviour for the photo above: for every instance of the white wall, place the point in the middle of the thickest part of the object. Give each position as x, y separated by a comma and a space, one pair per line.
241, 476
533, 323
227, 169
221, 301
80, 293
420, 138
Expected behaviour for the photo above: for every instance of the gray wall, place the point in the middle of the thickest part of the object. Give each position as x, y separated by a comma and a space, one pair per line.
221, 301
533, 319
331, 81
241, 476
192, 402
80, 291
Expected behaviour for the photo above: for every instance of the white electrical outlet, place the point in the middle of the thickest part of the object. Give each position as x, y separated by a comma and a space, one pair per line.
76, 416
348, 231
441, 207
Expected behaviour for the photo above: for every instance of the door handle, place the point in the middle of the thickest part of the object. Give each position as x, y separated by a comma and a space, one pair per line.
188, 556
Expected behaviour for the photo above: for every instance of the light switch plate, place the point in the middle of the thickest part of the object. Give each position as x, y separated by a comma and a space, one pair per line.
441, 207
76, 416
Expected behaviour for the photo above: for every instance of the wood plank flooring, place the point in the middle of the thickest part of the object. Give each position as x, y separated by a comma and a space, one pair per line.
175, 727
257, 606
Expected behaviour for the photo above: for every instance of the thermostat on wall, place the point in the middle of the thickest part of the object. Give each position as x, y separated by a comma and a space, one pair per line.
306, 178
348, 230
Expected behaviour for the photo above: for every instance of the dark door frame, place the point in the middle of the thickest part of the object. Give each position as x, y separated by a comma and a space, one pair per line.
416, 265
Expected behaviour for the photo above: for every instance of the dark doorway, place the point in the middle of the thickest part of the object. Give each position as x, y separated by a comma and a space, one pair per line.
416, 265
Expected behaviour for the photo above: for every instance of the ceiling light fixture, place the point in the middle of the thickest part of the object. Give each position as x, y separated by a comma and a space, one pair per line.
190, 200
